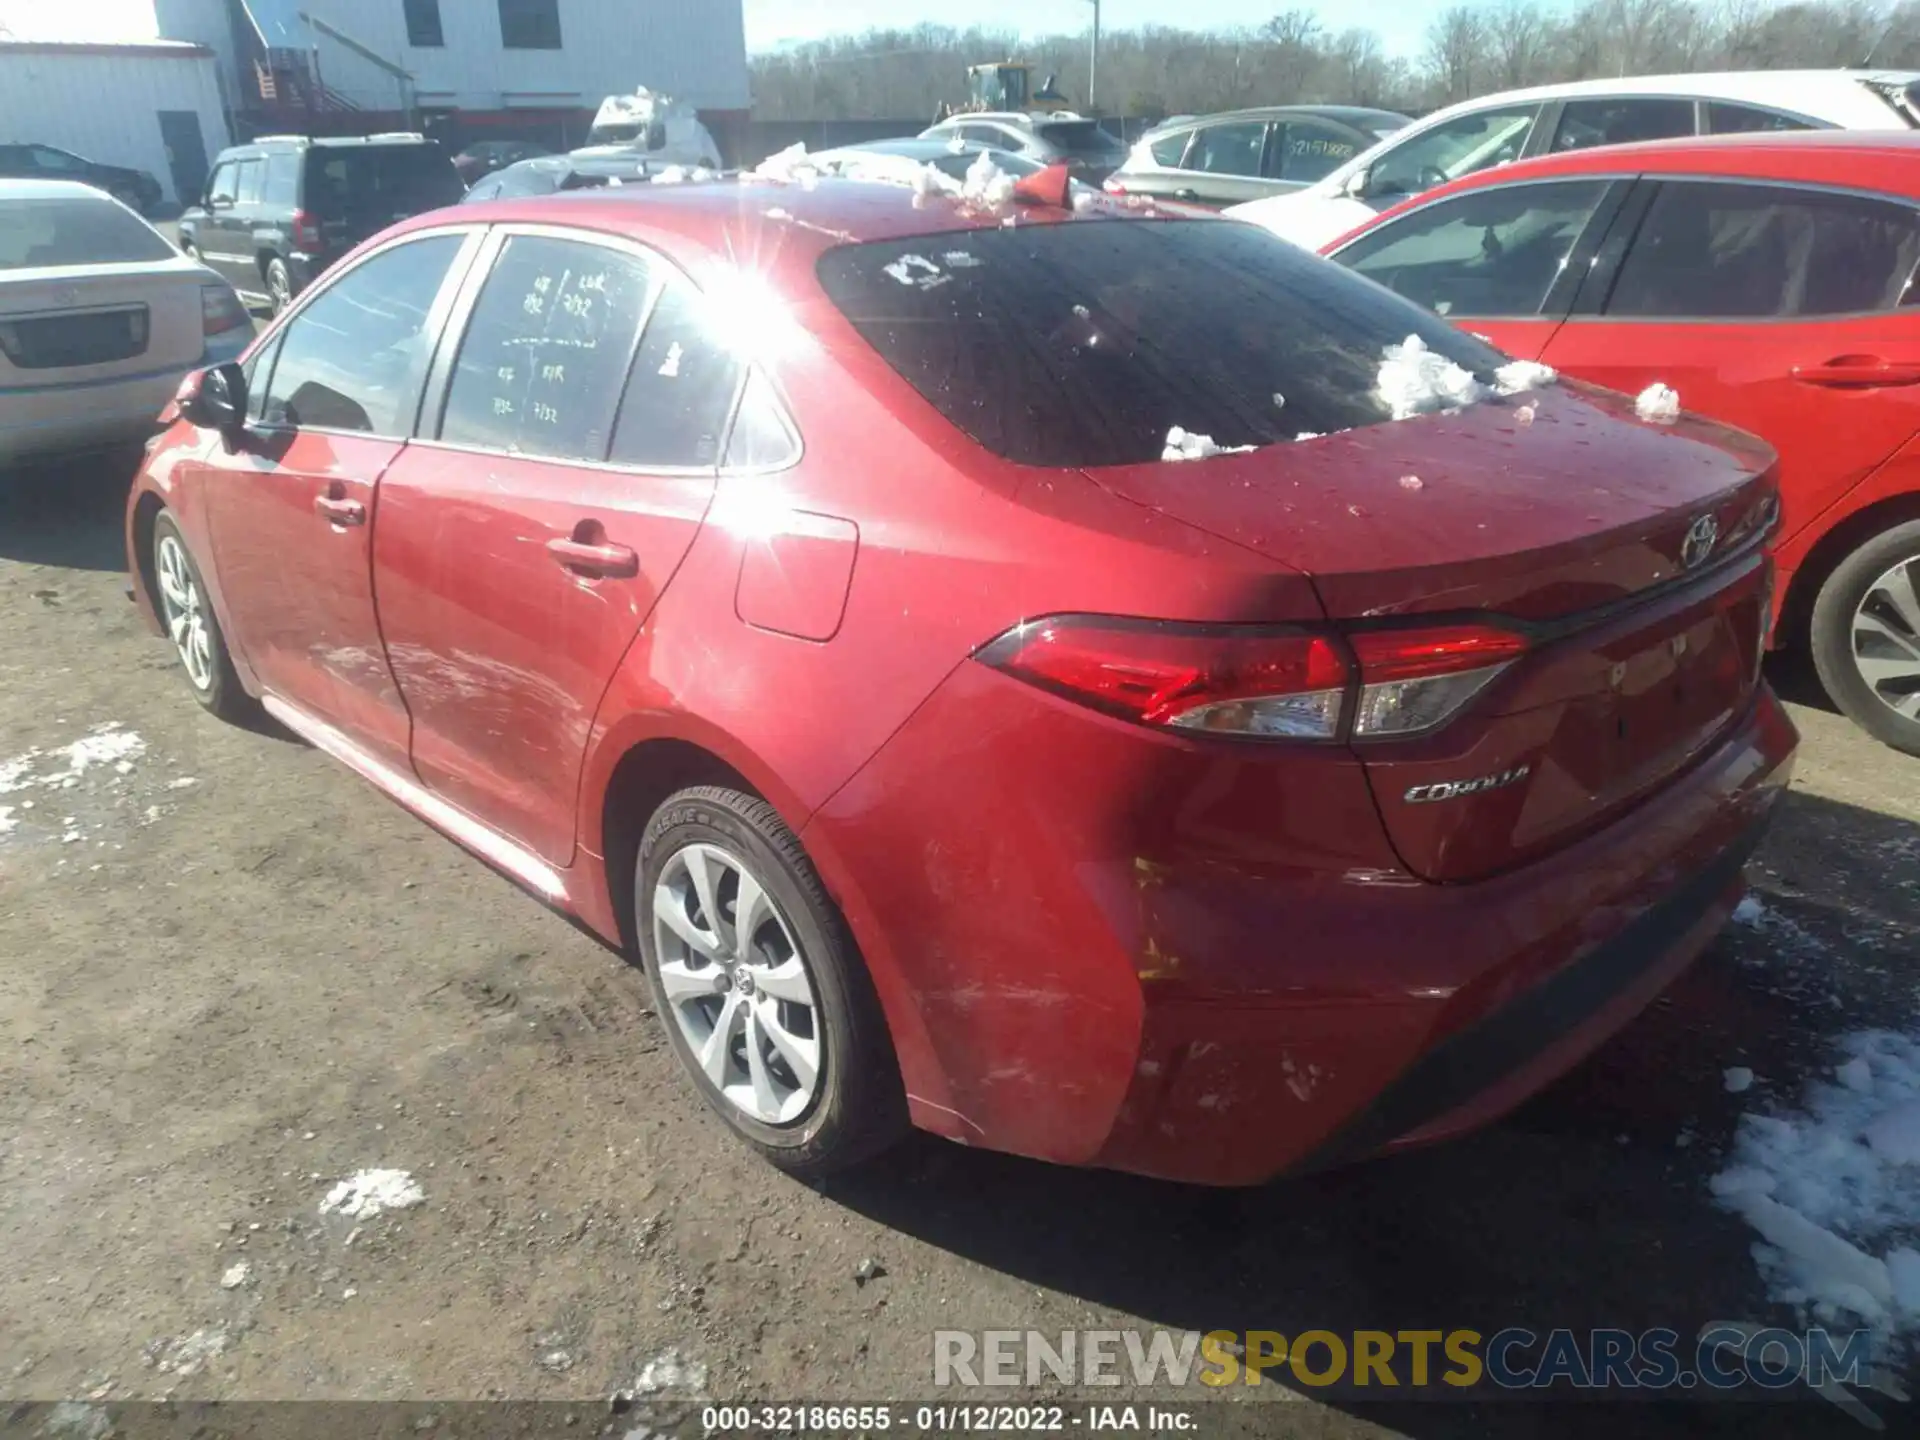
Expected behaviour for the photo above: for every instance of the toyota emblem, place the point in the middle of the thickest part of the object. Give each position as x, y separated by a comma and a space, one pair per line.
1702, 536
66, 295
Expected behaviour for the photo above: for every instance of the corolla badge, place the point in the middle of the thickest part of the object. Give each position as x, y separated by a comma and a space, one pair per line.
1454, 789
1702, 536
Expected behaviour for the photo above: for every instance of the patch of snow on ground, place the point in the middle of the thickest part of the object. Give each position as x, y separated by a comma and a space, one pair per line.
1185, 445
372, 1192
1415, 381
1834, 1189
1658, 403
189, 1354
669, 1370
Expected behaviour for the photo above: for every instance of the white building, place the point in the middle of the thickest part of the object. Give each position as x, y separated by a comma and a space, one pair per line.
484, 58
152, 106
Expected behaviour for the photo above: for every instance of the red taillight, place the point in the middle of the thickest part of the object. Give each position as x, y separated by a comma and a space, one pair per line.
1255, 680
221, 310
1416, 680
1217, 679
306, 231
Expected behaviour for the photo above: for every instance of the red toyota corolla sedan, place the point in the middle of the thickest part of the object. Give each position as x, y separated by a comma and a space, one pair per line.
1769, 279
912, 630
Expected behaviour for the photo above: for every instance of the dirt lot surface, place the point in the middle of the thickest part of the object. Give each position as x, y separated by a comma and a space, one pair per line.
231, 975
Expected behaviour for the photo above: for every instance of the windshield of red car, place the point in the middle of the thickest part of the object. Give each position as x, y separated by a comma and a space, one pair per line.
1088, 343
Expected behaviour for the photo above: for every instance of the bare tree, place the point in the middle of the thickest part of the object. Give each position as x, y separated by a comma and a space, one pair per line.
1457, 53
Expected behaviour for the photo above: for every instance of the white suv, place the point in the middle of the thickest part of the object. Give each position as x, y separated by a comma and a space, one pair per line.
1496, 129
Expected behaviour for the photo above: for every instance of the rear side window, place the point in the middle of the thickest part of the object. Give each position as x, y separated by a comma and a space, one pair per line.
354, 357
1229, 149
78, 231
546, 352
1169, 149
1714, 251
380, 181
1495, 252
1726, 118
282, 187
1585, 123
684, 381
1085, 343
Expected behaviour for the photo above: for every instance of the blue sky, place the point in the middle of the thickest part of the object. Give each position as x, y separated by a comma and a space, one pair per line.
1401, 24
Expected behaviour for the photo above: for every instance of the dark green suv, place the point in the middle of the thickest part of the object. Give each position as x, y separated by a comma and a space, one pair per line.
277, 212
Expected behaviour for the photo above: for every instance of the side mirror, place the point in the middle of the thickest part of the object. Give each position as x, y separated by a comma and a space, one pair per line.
1358, 184
218, 401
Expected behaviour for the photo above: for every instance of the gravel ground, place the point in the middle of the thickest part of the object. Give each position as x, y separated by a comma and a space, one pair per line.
232, 975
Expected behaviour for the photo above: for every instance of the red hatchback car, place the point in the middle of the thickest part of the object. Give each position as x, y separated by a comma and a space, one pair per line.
791, 583
1770, 280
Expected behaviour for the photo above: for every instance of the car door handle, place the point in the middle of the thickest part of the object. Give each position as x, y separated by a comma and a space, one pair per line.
337, 511
614, 562
1859, 370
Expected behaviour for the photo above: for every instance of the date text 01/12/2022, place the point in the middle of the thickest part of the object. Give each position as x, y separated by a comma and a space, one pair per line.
942, 1419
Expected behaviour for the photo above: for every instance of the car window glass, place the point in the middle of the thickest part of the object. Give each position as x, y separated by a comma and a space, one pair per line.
684, 381
380, 182
354, 356
258, 368
1585, 123
1451, 149
545, 354
1307, 150
1725, 251
1494, 252
220, 187
282, 184
1085, 345
1169, 149
47, 158
86, 229
246, 189
1228, 149
759, 439
1726, 118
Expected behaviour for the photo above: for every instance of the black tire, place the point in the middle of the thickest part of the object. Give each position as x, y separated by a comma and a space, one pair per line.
858, 1107
188, 249
1831, 635
279, 284
220, 692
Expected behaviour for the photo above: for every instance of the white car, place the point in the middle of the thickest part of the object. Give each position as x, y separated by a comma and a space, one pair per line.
1496, 129
99, 319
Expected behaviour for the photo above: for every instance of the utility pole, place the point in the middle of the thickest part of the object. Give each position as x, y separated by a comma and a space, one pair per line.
1093, 65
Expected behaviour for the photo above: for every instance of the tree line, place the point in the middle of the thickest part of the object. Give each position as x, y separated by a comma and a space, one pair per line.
1471, 49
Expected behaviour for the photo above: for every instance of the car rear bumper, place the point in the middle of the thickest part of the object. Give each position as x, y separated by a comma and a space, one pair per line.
1166, 958
55, 419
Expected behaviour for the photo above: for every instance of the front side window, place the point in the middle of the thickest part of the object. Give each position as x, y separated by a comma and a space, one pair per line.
1084, 345
221, 186
1726, 118
684, 380
354, 357
1453, 148
545, 355
1495, 252
1304, 151
423, 23
1229, 149
530, 24
1740, 251
1586, 123
282, 185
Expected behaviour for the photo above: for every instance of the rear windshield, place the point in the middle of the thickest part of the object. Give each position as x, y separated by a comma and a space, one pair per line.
76, 231
1085, 343
1079, 137
381, 180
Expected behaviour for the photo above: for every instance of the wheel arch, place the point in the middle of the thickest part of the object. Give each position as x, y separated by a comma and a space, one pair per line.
1825, 555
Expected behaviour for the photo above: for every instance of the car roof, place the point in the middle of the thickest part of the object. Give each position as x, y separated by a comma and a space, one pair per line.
913, 147
1348, 114
49, 190
1809, 91
779, 224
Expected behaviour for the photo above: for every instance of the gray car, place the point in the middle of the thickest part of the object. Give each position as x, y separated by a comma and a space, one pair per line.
1249, 154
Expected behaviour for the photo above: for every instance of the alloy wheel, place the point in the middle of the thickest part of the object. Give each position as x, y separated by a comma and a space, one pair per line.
737, 984
1886, 639
279, 287
185, 612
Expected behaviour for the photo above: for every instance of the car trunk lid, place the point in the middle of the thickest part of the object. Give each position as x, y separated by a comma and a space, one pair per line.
1626, 555
74, 324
